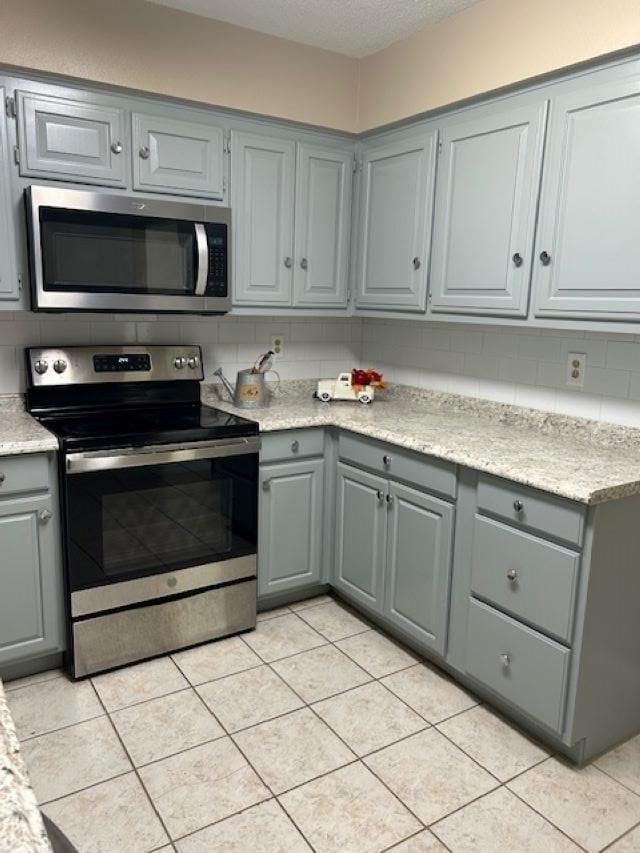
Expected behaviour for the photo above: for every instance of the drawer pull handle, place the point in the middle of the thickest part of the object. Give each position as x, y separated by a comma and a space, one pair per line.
295, 446
512, 575
386, 460
3, 476
44, 515
518, 505
506, 661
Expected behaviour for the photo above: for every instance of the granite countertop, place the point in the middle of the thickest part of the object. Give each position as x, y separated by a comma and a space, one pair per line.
21, 826
582, 460
19, 432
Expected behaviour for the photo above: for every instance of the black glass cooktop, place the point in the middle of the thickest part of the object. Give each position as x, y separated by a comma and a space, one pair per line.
134, 427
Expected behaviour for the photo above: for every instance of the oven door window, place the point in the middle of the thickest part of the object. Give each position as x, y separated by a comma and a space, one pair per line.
133, 522
89, 252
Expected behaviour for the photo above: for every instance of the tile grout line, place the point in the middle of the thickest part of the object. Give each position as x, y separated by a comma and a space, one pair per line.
620, 837
544, 817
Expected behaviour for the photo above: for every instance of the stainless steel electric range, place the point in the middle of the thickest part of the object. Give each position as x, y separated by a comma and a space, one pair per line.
159, 501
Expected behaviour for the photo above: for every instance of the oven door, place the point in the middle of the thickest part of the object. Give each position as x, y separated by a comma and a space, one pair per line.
92, 251
153, 522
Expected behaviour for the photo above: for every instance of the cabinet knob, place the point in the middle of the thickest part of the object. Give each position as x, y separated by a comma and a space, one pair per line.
545, 258
144, 152
518, 505
517, 259
266, 485
506, 661
3, 477
288, 262
44, 515
417, 263
390, 500
295, 446
116, 147
512, 575
380, 495
304, 264
386, 460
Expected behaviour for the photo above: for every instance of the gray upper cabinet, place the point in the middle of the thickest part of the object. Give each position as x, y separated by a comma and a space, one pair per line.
395, 223
488, 182
262, 196
71, 140
9, 288
587, 248
291, 519
323, 211
361, 535
419, 565
177, 156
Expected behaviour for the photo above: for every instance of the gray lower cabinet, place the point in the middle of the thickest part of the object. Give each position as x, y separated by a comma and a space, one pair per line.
420, 539
361, 535
9, 286
291, 525
485, 210
587, 247
31, 606
71, 140
177, 156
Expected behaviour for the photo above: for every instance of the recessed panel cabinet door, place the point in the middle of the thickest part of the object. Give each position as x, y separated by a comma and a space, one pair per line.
323, 210
262, 195
71, 140
588, 248
488, 182
8, 276
419, 565
394, 240
291, 519
182, 157
30, 580
361, 535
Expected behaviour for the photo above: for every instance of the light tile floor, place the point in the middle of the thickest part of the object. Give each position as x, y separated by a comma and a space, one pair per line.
318, 732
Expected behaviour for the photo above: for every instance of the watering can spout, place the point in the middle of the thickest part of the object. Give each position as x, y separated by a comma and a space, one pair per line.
230, 389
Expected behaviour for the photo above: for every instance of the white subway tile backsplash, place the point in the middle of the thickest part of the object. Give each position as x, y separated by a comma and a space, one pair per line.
613, 383
539, 348
481, 365
518, 370
236, 331
623, 355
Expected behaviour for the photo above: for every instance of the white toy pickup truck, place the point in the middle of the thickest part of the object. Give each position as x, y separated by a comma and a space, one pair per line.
342, 389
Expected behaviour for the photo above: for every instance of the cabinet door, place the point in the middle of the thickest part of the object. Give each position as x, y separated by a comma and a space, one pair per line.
488, 182
8, 276
361, 535
30, 580
419, 565
174, 156
291, 517
590, 206
394, 242
262, 174
323, 211
71, 140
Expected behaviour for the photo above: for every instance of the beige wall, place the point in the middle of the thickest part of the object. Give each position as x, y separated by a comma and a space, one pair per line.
492, 44
144, 46
156, 49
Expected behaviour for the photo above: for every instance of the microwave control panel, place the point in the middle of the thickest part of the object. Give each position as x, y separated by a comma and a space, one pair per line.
218, 243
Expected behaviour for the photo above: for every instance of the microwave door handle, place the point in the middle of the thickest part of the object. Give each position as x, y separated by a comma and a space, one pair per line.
203, 259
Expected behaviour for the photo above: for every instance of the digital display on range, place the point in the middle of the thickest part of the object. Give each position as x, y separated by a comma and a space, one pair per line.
118, 363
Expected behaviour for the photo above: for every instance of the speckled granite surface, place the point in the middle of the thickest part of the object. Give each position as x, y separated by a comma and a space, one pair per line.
21, 827
585, 461
19, 432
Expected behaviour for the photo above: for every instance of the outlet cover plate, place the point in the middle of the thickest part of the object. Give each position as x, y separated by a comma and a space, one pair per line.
576, 367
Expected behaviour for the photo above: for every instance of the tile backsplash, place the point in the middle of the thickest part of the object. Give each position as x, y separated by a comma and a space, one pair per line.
522, 366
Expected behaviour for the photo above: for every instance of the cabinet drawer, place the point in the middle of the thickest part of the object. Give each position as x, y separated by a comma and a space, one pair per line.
525, 668
23, 474
292, 444
530, 509
399, 464
530, 578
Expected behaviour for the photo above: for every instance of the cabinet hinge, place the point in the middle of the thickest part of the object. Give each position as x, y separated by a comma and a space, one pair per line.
227, 143
439, 147
20, 283
357, 164
224, 184
16, 154
10, 106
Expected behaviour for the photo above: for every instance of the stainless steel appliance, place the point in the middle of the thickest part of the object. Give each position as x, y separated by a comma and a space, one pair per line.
159, 501
93, 251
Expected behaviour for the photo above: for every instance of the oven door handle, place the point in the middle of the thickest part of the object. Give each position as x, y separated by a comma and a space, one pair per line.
203, 259
161, 454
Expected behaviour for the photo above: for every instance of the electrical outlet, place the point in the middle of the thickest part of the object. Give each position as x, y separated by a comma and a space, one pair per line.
277, 346
576, 367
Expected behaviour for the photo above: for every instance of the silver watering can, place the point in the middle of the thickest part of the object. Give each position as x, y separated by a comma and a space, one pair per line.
251, 391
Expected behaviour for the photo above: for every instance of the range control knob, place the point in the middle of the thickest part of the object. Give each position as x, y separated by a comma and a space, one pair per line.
179, 362
193, 361
60, 365
41, 366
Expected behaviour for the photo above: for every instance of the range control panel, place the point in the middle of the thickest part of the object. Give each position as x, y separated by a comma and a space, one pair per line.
132, 363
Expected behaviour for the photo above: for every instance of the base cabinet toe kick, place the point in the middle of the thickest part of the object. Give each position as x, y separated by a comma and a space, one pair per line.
528, 599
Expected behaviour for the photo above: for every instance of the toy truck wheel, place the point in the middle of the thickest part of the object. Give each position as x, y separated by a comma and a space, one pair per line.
364, 397
324, 396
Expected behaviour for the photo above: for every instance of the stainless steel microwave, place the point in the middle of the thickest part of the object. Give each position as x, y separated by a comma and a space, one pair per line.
93, 251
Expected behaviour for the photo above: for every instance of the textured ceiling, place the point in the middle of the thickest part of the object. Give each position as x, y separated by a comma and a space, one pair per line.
352, 27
